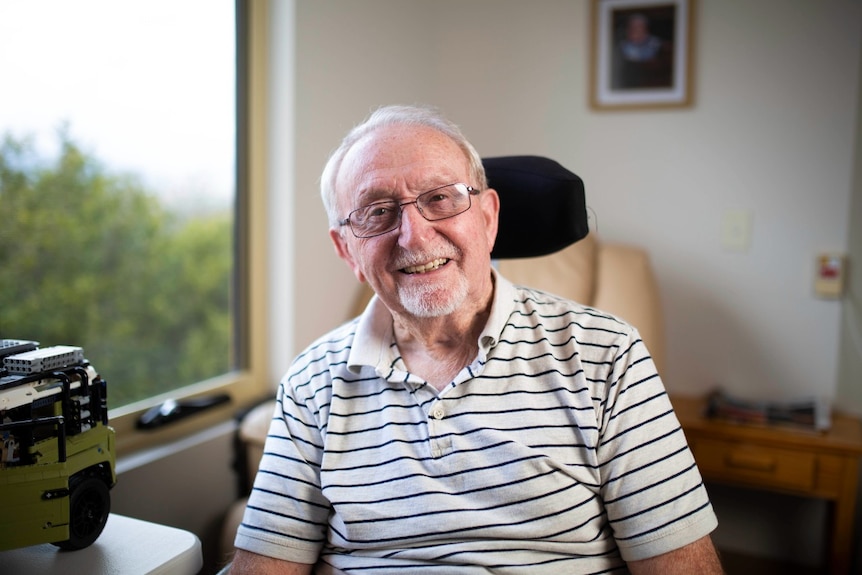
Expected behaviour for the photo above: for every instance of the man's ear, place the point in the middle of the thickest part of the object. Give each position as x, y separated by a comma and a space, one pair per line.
490, 204
342, 248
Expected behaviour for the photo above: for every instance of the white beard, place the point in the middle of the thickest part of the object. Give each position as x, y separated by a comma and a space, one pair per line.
429, 300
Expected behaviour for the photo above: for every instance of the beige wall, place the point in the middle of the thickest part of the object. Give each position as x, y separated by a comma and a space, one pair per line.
772, 132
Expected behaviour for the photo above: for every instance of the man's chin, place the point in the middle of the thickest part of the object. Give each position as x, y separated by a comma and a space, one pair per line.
430, 302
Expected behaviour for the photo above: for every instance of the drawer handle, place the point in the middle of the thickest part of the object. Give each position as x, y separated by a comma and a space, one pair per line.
750, 461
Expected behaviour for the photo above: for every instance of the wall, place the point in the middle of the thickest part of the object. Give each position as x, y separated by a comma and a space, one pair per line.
772, 132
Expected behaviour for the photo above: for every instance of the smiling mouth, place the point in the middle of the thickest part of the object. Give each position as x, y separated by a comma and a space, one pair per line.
424, 268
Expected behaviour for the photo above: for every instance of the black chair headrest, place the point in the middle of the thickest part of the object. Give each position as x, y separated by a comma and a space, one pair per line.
542, 206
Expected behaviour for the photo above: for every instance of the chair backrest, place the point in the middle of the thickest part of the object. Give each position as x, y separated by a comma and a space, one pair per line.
542, 206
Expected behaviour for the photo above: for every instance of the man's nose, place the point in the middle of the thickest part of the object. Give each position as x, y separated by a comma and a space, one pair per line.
414, 227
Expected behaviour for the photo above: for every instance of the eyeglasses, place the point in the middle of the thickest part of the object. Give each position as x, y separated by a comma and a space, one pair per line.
381, 217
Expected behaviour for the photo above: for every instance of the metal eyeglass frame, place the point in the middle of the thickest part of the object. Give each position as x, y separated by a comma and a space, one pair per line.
418, 200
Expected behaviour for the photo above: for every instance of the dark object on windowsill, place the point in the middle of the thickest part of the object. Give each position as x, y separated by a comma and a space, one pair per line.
173, 410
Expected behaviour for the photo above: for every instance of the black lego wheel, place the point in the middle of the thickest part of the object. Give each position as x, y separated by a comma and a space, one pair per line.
89, 506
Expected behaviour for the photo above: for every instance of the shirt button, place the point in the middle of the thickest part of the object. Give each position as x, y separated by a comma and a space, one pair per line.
438, 413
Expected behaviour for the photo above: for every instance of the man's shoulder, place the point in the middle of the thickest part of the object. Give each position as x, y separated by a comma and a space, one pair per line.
549, 309
332, 347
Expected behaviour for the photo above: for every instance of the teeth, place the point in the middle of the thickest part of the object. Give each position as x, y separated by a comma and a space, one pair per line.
426, 267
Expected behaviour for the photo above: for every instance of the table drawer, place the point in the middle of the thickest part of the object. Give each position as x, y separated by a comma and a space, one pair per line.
739, 462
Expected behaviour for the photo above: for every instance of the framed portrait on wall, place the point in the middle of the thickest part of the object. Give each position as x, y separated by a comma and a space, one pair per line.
641, 54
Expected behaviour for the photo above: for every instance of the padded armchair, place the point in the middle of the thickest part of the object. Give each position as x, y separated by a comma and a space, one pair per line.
543, 242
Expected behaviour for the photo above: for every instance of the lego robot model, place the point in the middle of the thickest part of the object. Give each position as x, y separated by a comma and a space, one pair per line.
57, 455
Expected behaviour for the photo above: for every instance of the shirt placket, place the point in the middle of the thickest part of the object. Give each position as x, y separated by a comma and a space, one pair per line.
439, 438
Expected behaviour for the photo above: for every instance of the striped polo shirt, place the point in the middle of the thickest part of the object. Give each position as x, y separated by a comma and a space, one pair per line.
555, 451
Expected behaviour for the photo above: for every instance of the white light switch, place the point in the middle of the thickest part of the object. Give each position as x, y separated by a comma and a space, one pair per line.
736, 229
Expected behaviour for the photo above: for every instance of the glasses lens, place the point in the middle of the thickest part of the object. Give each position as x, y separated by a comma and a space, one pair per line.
444, 202
437, 204
374, 219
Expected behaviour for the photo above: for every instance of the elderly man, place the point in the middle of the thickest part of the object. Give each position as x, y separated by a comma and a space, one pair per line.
462, 424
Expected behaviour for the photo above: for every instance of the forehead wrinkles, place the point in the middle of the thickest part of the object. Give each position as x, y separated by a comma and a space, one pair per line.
399, 157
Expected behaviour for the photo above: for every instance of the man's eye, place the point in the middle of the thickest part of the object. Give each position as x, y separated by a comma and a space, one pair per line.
378, 211
438, 197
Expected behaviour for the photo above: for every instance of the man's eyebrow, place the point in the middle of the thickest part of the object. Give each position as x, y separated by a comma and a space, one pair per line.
373, 195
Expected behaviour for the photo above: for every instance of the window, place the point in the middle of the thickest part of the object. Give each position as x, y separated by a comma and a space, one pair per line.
124, 216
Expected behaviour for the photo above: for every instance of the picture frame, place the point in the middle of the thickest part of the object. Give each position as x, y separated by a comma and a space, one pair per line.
641, 54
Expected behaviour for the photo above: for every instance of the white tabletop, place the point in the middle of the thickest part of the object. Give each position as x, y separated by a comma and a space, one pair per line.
126, 547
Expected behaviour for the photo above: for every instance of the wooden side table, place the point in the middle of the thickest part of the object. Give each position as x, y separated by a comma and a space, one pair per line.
822, 465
